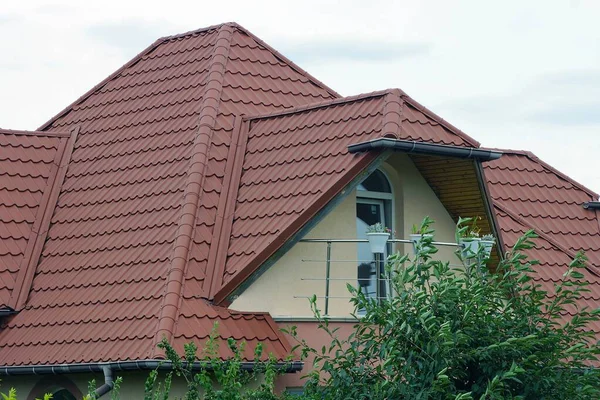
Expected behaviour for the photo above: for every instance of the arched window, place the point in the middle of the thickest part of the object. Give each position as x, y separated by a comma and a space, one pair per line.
60, 387
373, 204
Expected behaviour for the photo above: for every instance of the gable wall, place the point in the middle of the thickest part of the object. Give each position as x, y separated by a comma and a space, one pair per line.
280, 289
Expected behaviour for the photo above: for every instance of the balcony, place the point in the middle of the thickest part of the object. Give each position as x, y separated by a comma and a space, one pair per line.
334, 263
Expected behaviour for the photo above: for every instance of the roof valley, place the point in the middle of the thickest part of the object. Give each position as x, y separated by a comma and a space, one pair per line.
193, 189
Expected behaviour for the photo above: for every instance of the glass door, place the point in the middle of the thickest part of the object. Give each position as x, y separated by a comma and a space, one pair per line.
369, 212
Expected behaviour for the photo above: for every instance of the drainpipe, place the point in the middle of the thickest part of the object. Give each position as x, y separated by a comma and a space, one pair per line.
108, 382
592, 205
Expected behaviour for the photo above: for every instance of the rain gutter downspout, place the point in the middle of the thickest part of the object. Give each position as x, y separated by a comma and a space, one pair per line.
109, 383
409, 146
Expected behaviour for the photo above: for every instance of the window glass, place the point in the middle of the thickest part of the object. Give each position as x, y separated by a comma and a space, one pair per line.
373, 205
376, 182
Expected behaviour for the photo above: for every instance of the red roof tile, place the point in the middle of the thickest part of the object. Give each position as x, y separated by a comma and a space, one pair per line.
172, 198
29, 166
529, 194
547, 201
152, 151
297, 160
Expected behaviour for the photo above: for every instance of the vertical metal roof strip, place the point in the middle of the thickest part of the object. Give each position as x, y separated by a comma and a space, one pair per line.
229, 208
489, 207
44, 214
193, 189
221, 206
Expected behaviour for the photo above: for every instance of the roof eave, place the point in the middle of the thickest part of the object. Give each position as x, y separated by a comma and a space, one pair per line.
409, 146
131, 365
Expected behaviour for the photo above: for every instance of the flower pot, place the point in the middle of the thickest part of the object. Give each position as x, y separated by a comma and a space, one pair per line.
470, 247
378, 241
416, 238
487, 247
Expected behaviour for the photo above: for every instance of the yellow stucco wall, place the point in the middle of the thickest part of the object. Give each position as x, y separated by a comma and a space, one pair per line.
276, 289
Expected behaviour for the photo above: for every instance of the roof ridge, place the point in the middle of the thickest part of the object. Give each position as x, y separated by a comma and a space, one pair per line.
193, 189
392, 114
34, 133
289, 62
439, 119
540, 233
196, 31
262, 43
319, 104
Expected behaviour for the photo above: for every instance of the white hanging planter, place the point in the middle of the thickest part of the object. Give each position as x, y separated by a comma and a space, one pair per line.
470, 247
416, 238
487, 247
378, 241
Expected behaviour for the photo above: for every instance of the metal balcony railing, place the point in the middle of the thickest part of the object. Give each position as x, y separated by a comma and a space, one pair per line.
379, 280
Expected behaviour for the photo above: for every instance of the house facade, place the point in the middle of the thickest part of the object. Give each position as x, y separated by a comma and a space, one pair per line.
210, 179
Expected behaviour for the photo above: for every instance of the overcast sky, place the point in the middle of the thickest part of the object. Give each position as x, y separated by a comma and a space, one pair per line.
512, 74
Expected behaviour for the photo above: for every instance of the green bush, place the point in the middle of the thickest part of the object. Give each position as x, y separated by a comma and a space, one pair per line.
462, 333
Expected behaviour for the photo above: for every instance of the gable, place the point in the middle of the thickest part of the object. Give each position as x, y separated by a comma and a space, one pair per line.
296, 162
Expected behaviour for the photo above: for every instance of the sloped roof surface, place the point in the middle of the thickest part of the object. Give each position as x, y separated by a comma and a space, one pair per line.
297, 160
192, 165
29, 163
529, 194
151, 148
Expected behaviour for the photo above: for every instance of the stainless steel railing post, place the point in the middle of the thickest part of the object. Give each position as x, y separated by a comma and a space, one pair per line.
327, 275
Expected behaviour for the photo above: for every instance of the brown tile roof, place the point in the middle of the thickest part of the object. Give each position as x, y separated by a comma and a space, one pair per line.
529, 194
172, 197
142, 188
296, 161
29, 168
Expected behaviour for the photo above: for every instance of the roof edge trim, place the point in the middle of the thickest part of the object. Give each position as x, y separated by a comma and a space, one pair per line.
99, 85
143, 365
409, 146
319, 104
290, 235
533, 157
286, 60
258, 40
489, 207
193, 190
